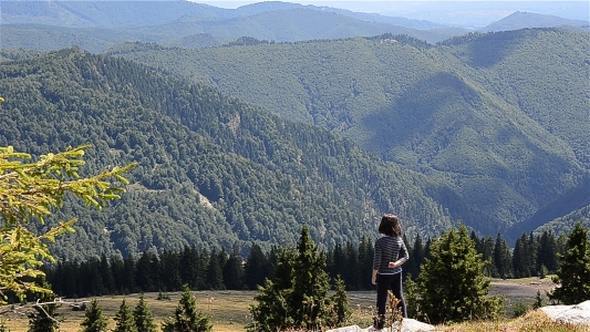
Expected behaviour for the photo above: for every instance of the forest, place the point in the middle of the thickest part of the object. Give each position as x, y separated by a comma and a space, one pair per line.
200, 269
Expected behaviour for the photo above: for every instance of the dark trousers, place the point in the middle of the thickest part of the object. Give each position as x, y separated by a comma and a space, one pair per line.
393, 283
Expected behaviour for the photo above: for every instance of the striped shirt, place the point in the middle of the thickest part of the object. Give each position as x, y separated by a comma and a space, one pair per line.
389, 249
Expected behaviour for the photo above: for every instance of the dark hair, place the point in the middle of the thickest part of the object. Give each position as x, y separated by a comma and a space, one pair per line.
390, 225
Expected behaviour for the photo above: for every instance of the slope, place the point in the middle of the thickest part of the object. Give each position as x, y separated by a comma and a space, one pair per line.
521, 20
490, 161
212, 171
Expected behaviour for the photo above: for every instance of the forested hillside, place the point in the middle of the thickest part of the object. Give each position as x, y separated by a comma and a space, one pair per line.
212, 171
565, 224
497, 122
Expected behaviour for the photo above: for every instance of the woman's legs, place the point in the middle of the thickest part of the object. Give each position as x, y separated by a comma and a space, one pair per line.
383, 285
397, 289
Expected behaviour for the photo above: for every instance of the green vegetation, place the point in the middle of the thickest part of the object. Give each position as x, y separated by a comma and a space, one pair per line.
212, 172
30, 192
143, 317
498, 122
296, 296
186, 317
452, 285
125, 322
573, 275
94, 321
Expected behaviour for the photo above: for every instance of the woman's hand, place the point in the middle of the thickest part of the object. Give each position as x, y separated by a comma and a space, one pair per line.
374, 280
393, 265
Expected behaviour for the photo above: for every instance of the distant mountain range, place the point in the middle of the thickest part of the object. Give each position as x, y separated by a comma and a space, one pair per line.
99, 25
523, 20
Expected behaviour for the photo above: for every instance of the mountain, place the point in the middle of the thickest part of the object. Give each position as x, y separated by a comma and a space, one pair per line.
564, 225
99, 25
497, 122
522, 20
213, 171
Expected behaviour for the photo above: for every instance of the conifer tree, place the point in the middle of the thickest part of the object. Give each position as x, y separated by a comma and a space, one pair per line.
124, 319
538, 300
43, 320
186, 317
214, 272
94, 320
233, 272
546, 255
308, 301
144, 321
452, 283
256, 267
502, 259
340, 304
573, 275
33, 190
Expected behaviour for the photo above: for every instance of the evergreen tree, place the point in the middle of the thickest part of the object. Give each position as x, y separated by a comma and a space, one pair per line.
124, 319
573, 275
365, 263
256, 269
214, 272
310, 285
43, 320
233, 272
186, 317
502, 258
144, 321
94, 320
296, 296
340, 304
547, 253
452, 283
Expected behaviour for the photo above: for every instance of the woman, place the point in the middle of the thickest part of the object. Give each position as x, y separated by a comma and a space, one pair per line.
390, 254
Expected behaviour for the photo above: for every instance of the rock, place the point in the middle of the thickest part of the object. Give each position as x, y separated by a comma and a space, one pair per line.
412, 325
408, 325
578, 314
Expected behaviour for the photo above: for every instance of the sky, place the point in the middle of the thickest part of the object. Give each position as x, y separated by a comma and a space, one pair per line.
458, 12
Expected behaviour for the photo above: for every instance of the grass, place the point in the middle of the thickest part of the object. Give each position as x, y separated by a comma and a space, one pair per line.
229, 309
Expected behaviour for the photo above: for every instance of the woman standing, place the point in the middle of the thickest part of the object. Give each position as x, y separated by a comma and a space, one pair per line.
390, 254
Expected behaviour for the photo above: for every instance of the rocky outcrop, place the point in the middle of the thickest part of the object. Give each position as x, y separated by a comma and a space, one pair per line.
578, 314
408, 325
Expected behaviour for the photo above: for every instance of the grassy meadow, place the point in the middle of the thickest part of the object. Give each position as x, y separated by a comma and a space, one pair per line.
229, 309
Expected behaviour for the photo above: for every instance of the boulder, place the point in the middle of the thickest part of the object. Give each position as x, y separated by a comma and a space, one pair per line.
408, 325
578, 314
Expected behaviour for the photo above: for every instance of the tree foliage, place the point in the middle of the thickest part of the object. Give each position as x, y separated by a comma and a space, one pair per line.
30, 191
124, 319
144, 321
94, 321
452, 285
186, 317
573, 276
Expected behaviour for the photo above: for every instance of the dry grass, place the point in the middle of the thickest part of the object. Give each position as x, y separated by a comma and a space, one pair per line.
533, 321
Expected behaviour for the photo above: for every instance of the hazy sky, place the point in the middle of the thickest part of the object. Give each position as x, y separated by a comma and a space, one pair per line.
461, 12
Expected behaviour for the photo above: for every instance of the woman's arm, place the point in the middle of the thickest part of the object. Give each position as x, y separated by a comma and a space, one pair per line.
403, 257
376, 262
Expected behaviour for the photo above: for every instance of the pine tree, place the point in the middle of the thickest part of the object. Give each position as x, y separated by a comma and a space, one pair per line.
214, 272
310, 285
32, 191
573, 276
186, 317
256, 267
43, 320
340, 304
94, 320
296, 297
124, 319
233, 272
546, 255
452, 283
144, 321
502, 258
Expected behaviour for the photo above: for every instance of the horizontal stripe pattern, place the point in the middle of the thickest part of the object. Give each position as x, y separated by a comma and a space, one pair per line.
389, 249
